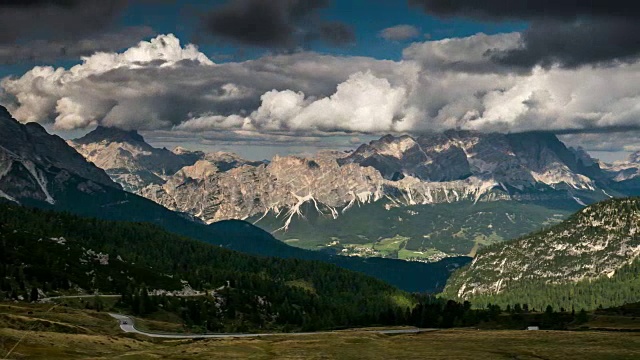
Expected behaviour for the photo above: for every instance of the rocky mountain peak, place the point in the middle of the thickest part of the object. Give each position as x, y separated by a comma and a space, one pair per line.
634, 157
128, 159
513, 159
35, 164
179, 150
584, 156
111, 134
202, 169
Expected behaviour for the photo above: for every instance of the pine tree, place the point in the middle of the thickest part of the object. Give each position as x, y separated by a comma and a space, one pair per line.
34, 294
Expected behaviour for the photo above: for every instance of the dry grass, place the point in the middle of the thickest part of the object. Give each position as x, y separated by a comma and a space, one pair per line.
91, 335
614, 322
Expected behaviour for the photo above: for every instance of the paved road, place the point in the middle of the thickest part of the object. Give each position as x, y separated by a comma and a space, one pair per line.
47, 299
127, 325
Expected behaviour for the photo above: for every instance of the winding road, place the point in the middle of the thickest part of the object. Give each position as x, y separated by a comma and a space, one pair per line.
49, 299
127, 325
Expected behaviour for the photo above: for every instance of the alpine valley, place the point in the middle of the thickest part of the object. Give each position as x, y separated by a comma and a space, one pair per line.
320, 179
41, 170
424, 198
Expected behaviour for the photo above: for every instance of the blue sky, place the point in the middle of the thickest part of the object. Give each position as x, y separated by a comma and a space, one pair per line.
367, 18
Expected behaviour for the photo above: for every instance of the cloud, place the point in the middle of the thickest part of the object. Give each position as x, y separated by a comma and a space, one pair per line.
566, 33
461, 87
469, 54
399, 33
528, 10
598, 41
51, 50
363, 103
618, 143
97, 91
51, 19
281, 24
160, 85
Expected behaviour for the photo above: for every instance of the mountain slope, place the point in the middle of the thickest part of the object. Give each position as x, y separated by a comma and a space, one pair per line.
127, 158
595, 244
33, 164
56, 185
625, 170
625, 174
242, 236
56, 252
314, 202
418, 232
440, 168
134, 164
405, 175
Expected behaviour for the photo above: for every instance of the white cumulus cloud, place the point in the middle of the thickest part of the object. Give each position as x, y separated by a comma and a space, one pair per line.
162, 85
363, 103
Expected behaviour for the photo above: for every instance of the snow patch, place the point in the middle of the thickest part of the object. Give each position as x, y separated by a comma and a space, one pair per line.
40, 179
8, 197
577, 199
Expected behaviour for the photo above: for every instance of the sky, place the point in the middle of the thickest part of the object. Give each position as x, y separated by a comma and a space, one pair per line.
262, 77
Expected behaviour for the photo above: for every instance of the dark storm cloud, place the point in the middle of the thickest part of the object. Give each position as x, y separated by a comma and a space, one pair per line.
529, 9
275, 24
54, 20
34, 3
565, 32
52, 50
598, 41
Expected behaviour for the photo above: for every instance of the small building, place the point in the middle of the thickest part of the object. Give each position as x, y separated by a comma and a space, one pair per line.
529, 328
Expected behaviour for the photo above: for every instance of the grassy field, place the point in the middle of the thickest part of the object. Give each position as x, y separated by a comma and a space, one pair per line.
67, 333
450, 344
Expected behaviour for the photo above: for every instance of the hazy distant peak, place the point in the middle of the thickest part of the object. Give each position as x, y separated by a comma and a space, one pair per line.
634, 157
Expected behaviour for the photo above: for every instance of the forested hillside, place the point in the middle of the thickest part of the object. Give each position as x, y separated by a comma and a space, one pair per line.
41, 170
590, 260
111, 204
48, 253
206, 287
604, 292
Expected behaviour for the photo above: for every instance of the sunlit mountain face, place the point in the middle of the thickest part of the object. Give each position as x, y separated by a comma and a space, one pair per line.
255, 167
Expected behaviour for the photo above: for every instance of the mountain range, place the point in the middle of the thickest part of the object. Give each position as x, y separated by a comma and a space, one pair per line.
42, 170
483, 188
397, 191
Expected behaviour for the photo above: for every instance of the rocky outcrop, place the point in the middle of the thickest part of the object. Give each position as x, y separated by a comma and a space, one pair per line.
516, 160
128, 159
595, 242
333, 185
428, 169
33, 164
